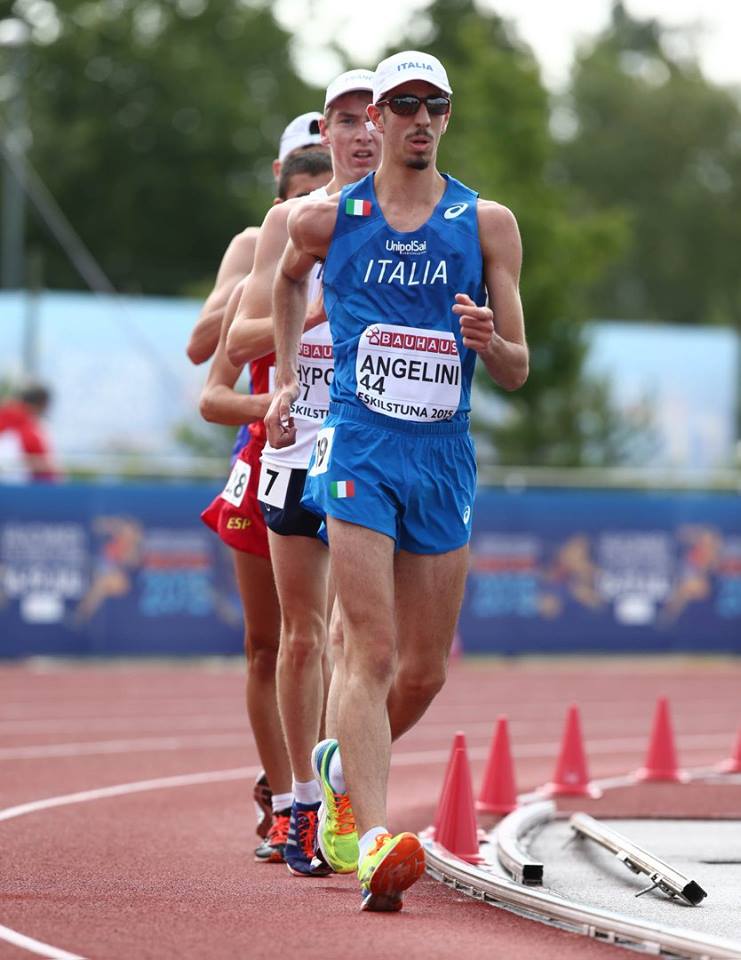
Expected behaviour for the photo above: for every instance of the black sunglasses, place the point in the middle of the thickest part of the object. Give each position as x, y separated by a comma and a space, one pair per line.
406, 105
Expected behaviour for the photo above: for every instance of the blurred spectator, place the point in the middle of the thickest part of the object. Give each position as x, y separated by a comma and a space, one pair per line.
25, 453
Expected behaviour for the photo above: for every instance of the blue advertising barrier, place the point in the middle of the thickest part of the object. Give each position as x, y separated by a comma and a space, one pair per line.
557, 571
114, 569
123, 569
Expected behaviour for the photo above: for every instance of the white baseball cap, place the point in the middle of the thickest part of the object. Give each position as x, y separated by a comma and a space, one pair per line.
301, 132
348, 82
408, 65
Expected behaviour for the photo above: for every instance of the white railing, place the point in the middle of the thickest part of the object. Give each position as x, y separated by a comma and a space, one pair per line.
103, 466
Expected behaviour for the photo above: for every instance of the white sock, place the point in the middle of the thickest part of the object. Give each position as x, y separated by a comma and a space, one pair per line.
336, 776
368, 840
307, 791
282, 801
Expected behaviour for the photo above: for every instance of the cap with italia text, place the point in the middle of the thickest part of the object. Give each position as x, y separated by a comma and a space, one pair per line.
409, 65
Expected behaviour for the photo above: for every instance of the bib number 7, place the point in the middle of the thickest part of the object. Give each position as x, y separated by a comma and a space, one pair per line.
272, 487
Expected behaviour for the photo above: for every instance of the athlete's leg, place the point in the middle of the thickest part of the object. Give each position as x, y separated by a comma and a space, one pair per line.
336, 654
429, 592
301, 566
261, 639
363, 569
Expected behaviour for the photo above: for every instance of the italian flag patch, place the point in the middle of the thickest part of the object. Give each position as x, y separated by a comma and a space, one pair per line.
358, 208
342, 489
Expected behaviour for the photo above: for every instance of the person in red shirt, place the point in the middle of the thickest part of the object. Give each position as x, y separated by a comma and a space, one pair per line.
21, 428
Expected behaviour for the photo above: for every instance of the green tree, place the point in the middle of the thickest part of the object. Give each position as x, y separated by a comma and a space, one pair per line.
648, 133
500, 144
154, 124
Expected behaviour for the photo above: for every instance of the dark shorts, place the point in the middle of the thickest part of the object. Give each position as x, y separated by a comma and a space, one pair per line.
280, 494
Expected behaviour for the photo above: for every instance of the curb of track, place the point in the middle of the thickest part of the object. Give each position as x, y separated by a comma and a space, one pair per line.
603, 925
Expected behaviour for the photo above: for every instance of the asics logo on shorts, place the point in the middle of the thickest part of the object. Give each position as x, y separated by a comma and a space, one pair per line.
455, 211
466, 514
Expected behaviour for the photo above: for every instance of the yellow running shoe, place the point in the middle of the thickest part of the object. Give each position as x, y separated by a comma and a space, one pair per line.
386, 871
337, 837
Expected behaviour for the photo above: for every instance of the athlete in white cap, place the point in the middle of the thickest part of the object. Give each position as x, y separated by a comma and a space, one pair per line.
409, 257
236, 516
299, 556
300, 134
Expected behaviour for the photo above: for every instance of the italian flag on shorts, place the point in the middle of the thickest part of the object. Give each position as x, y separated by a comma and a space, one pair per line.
342, 489
358, 208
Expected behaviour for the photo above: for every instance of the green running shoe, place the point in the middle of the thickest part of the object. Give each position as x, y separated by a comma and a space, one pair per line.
386, 871
337, 837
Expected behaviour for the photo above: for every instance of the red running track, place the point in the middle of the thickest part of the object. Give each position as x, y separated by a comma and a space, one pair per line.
168, 871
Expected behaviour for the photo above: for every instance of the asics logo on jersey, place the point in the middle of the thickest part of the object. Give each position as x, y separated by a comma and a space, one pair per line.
455, 211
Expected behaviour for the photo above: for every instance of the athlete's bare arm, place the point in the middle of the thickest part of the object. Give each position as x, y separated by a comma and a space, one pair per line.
251, 334
220, 402
310, 228
497, 332
235, 265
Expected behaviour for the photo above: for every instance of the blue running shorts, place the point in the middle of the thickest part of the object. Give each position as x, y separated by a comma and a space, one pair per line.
414, 482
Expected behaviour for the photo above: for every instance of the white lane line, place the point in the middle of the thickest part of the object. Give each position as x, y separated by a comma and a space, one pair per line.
435, 728
406, 759
548, 749
35, 946
121, 789
41, 713
58, 712
540, 750
412, 758
143, 723
102, 793
432, 727
138, 745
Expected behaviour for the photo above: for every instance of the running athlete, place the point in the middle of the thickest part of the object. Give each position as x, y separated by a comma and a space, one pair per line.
236, 517
301, 133
409, 257
300, 561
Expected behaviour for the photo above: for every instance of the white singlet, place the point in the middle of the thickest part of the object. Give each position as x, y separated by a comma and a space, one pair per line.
315, 371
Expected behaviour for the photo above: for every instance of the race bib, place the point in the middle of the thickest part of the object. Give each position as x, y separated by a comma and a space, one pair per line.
322, 451
315, 372
273, 485
408, 373
236, 485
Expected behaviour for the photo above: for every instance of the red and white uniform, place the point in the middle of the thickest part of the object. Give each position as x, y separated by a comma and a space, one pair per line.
21, 436
235, 514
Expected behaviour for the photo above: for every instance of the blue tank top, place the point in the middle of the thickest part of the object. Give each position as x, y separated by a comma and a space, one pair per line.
388, 296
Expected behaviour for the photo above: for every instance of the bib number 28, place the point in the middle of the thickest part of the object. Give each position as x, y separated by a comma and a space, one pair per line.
236, 485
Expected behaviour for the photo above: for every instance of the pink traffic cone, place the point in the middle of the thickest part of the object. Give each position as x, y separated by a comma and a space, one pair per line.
498, 792
661, 759
571, 778
456, 820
